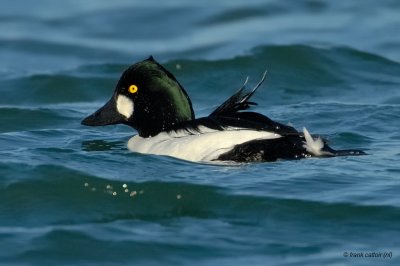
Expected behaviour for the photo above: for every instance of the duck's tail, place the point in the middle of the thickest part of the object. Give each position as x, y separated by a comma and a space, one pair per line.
317, 147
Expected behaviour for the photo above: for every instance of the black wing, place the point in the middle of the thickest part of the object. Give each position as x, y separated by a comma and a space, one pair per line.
244, 120
228, 115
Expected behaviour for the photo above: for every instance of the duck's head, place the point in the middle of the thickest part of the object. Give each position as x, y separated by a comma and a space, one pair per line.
148, 98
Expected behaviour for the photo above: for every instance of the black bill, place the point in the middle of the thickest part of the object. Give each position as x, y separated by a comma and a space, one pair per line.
106, 115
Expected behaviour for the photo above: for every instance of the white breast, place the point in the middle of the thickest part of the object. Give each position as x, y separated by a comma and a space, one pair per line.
204, 146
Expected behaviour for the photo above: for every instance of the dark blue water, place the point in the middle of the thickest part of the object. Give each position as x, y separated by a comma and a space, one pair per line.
73, 195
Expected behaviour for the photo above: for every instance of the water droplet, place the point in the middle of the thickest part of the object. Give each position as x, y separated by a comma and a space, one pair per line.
178, 196
86, 184
114, 193
124, 185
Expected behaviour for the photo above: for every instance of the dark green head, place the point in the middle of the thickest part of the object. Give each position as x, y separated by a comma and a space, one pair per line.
147, 98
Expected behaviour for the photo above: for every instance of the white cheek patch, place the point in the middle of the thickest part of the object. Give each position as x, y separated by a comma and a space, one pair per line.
124, 106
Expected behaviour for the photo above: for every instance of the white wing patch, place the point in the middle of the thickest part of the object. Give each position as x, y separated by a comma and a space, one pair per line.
124, 106
195, 146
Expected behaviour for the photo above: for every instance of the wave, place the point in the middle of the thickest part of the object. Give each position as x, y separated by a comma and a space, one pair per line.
23, 119
294, 70
59, 195
67, 214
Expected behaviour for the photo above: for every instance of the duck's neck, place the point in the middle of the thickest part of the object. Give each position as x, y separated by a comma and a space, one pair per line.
154, 125
161, 114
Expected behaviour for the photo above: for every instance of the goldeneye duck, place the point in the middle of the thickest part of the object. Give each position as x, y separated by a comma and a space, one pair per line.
150, 99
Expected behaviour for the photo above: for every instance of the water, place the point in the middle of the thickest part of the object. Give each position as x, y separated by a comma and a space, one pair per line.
74, 195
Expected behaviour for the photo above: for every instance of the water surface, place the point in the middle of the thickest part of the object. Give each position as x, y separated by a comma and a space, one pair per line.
74, 195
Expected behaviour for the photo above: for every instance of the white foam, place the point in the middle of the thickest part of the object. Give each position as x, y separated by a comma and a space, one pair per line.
195, 146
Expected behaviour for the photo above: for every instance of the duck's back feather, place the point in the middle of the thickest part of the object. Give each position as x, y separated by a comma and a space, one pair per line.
243, 120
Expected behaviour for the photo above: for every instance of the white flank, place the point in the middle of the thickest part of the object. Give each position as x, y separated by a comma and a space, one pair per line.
124, 106
194, 146
313, 146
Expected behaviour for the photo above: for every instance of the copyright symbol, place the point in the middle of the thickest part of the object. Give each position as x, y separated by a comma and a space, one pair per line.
345, 254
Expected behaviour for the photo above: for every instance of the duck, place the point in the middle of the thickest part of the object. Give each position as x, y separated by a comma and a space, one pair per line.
151, 100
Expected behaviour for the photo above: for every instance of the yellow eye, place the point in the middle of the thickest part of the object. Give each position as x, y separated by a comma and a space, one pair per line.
133, 89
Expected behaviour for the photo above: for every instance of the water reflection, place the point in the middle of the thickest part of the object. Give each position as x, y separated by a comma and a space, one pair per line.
102, 145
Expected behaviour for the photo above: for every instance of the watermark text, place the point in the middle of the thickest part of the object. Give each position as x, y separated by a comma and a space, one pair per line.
368, 254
